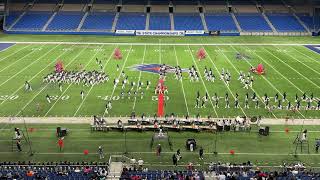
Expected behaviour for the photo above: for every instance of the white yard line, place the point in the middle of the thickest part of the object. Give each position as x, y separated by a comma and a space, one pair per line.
14, 53
204, 85
222, 80
114, 88
135, 98
300, 62
31, 79
79, 107
165, 44
292, 68
11, 64
29, 65
184, 94
246, 60
30, 101
315, 60
283, 77
71, 83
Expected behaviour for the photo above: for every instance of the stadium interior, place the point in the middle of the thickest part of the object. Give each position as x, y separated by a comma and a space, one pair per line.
108, 16
61, 118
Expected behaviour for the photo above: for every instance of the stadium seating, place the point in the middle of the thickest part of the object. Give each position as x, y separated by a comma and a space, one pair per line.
131, 21
33, 20
159, 21
79, 171
252, 22
11, 18
65, 21
285, 22
187, 22
98, 21
222, 22
307, 20
162, 174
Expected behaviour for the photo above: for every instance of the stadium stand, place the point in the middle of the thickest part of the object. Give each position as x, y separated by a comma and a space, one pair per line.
285, 22
98, 21
307, 20
220, 22
129, 174
110, 15
131, 21
188, 21
65, 21
11, 18
62, 170
252, 22
160, 21
33, 20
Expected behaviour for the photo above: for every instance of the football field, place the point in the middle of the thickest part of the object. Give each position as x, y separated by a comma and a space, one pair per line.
291, 69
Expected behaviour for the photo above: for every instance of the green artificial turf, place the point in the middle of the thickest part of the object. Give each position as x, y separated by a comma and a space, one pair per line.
270, 150
290, 69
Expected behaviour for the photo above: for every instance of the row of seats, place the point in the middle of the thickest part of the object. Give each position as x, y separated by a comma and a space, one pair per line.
158, 21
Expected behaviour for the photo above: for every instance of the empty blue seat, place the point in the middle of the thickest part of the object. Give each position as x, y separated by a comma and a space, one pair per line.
33, 20
66, 21
253, 22
220, 22
187, 22
159, 21
285, 22
11, 17
131, 21
98, 21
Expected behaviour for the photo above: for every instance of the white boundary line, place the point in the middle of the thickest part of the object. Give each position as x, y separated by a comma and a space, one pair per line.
14, 52
204, 85
28, 80
181, 81
124, 63
105, 65
13, 63
71, 83
301, 62
7, 47
165, 44
266, 50
135, 98
304, 54
21, 110
29, 65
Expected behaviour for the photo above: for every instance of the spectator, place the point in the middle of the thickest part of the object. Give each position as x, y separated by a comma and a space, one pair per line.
30, 173
140, 163
87, 170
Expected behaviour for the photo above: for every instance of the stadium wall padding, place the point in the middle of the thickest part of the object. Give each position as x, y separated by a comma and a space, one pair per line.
97, 33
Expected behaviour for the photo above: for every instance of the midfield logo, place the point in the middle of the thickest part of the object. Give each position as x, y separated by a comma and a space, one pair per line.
154, 68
